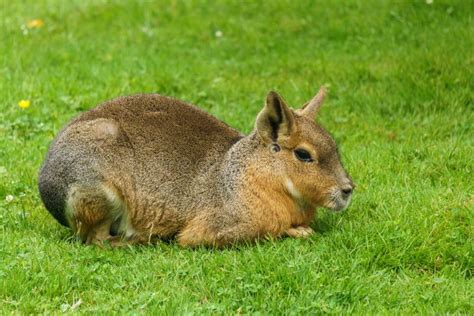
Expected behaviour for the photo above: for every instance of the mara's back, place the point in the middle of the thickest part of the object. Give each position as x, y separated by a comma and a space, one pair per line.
150, 150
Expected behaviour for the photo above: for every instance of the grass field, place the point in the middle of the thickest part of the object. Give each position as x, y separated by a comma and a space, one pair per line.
400, 106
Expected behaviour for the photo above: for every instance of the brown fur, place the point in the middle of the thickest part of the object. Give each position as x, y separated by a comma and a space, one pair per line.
146, 167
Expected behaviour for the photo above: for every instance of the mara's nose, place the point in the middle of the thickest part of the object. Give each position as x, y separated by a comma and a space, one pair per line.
346, 191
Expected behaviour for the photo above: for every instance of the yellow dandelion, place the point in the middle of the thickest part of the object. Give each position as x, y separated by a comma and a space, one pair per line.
24, 104
34, 24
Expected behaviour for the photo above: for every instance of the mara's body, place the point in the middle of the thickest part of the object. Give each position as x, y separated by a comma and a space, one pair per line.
146, 167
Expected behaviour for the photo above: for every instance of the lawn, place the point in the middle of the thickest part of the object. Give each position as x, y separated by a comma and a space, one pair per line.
400, 106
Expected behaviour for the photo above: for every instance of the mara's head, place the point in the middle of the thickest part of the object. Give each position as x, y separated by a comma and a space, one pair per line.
301, 155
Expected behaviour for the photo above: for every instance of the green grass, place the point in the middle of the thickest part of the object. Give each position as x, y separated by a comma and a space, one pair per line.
400, 106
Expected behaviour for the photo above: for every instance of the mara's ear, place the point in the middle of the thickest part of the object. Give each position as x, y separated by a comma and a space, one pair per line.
311, 108
276, 120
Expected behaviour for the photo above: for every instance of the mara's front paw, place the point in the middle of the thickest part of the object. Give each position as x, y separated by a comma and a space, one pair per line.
300, 232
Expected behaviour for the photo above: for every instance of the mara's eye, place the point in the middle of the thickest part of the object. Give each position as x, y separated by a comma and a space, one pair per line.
303, 155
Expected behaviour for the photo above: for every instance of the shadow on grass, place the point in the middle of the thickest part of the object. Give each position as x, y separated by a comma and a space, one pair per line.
325, 222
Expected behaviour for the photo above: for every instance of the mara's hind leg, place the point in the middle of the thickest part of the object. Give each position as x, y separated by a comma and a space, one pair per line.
91, 211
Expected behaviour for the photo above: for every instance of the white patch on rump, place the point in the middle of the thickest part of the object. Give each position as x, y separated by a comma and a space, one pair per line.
104, 128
